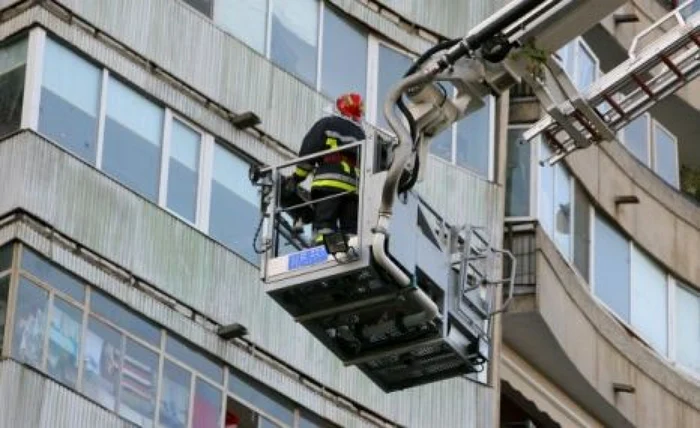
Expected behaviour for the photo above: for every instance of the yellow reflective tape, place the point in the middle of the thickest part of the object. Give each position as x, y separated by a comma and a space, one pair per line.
335, 184
346, 166
301, 172
332, 143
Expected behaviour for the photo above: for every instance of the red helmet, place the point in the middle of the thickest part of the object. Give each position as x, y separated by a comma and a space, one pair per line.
351, 105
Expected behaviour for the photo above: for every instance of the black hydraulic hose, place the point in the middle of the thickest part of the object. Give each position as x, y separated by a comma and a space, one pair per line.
508, 18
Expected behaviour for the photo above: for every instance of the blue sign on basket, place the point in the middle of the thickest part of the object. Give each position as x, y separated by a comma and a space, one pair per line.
312, 256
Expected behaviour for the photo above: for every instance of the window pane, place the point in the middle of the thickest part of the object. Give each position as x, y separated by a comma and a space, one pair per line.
666, 164
183, 170
244, 19
70, 99
546, 200
64, 342
517, 175
4, 291
234, 204
392, 66
137, 396
115, 312
612, 269
307, 420
102, 363
261, 397
586, 73
30, 323
239, 415
174, 396
5, 257
52, 275
13, 61
636, 138
194, 359
441, 146
562, 210
688, 329
266, 423
207, 406
582, 236
132, 139
649, 305
294, 37
474, 140
203, 6
344, 65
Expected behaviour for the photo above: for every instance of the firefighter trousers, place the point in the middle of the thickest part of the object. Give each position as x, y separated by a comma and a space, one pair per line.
338, 213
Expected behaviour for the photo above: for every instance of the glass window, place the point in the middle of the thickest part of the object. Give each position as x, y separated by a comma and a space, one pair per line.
562, 209
546, 199
239, 415
30, 323
582, 236
70, 100
688, 328
207, 406
132, 139
636, 138
65, 331
109, 309
392, 66
294, 37
52, 275
649, 303
102, 363
474, 140
441, 145
137, 393
203, 6
587, 68
175, 396
244, 19
234, 204
665, 155
517, 176
194, 359
344, 66
4, 291
13, 62
263, 398
612, 269
307, 420
183, 170
266, 423
5, 257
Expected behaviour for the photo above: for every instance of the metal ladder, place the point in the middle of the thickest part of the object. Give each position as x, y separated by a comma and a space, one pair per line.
653, 71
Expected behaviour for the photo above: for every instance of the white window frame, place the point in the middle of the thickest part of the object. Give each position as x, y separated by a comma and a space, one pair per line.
31, 97
649, 136
654, 161
534, 173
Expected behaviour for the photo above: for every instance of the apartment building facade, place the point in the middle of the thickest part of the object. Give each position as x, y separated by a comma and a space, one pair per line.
128, 221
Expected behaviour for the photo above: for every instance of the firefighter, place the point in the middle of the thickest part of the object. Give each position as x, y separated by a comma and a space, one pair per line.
335, 173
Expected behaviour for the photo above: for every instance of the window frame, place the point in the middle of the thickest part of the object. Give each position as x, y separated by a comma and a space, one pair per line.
533, 176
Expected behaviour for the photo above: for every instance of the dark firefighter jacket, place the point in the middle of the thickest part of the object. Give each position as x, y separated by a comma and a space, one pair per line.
336, 170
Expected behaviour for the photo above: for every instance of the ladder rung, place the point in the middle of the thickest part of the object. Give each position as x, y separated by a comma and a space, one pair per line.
672, 66
642, 85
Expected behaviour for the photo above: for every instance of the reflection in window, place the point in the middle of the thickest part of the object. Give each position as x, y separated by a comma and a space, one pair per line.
587, 69
546, 195
294, 37
344, 65
207, 405
132, 139
50, 274
474, 140
137, 392
441, 145
194, 359
239, 415
666, 156
13, 62
392, 66
582, 236
688, 328
64, 342
649, 305
203, 6
30, 323
183, 170
70, 99
562, 209
612, 269
112, 311
5, 257
175, 396
263, 398
636, 138
233, 207
4, 292
517, 176
102, 363
244, 19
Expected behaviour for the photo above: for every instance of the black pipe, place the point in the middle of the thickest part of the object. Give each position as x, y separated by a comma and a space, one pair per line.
474, 41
